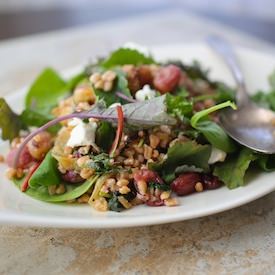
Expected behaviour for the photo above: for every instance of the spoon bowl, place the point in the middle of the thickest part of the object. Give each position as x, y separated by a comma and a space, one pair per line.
250, 125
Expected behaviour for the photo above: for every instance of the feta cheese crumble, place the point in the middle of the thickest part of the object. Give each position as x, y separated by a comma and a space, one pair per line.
217, 155
145, 93
82, 134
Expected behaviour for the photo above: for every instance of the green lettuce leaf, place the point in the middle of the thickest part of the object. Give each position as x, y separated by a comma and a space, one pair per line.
188, 154
124, 56
233, 169
10, 122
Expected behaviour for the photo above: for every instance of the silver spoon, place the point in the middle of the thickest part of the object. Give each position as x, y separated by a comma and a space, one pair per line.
250, 125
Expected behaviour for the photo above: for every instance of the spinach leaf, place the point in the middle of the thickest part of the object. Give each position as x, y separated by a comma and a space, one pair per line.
233, 169
124, 56
188, 153
34, 118
212, 131
46, 90
45, 93
105, 135
46, 174
73, 191
10, 122
178, 106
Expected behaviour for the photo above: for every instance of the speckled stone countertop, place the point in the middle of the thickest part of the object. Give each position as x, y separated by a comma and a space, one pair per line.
239, 241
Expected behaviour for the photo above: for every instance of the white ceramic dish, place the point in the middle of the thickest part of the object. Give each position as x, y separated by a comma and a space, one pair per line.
17, 208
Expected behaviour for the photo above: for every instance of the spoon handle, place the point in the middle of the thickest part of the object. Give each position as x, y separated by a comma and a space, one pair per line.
225, 50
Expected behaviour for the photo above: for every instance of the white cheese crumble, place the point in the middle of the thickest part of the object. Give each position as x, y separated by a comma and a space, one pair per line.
115, 105
82, 134
145, 93
217, 155
135, 46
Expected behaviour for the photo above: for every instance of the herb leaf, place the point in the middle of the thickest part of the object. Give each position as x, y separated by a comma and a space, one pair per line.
178, 106
124, 56
101, 163
10, 123
233, 169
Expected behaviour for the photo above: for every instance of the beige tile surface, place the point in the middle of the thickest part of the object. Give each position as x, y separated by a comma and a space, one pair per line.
240, 241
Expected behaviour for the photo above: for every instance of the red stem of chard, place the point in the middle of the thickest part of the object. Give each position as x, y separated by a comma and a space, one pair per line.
120, 122
25, 183
51, 123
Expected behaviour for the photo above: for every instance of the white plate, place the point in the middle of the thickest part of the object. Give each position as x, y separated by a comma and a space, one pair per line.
19, 209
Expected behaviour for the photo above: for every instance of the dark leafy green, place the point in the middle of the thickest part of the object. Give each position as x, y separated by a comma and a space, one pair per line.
188, 153
47, 173
233, 169
105, 135
124, 56
10, 122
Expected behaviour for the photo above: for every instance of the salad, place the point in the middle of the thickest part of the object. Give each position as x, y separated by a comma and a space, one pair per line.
127, 130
